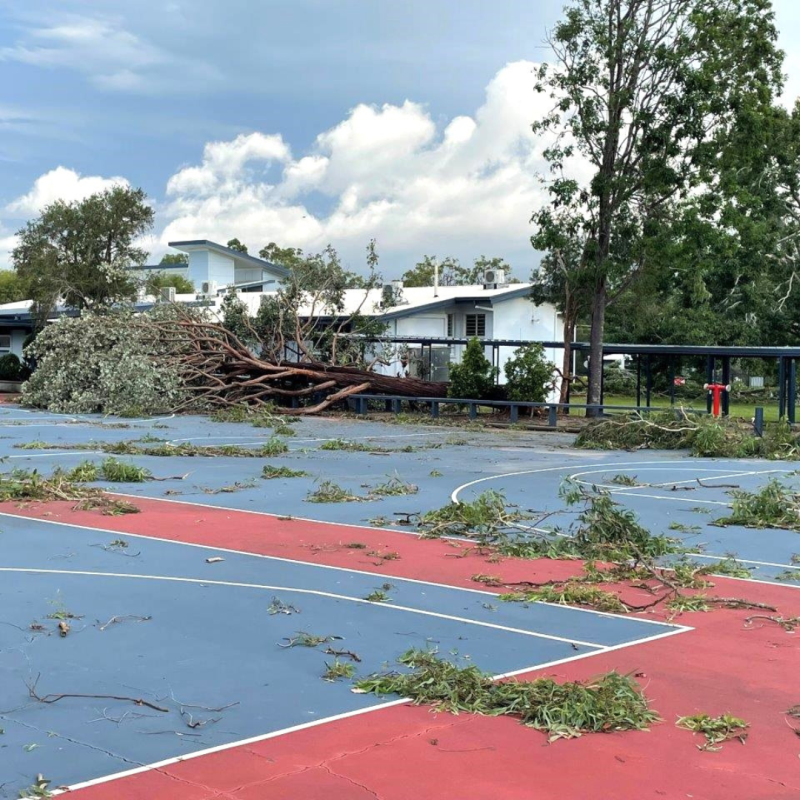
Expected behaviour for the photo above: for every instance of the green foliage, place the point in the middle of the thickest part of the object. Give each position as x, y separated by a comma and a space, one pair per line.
393, 487
271, 472
330, 492
156, 281
773, 506
11, 368
25, 485
473, 378
610, 702
38, 789
717, 730
701, 434
337, 670
103, 364
529, 375
13, 289
650, 103
235, 244
80, 250
617, 380
174, 258
451, 272
120, 472
381, 594
571, 594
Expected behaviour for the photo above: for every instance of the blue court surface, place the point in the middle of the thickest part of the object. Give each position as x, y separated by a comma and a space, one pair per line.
443, 463
202, 642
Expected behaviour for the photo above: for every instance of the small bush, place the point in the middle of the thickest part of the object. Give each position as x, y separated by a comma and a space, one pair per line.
11, 368
473, 378
617, 380
529, 375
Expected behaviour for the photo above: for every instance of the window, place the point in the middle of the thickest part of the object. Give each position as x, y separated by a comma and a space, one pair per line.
476, 325
451, 324
5, 344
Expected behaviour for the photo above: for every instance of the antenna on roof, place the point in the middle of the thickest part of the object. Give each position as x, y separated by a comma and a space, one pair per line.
435, 278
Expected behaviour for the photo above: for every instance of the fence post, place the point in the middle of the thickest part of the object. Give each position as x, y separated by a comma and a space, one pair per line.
552, 416
513, 413
473, 411
435, 410
397, 405
758, 422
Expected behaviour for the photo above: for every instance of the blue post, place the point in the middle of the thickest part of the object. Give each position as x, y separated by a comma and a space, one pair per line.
552, 416
473, 411
792, 391
513, 413
435, 410
362, 405
397, 405
781, 387
758, 422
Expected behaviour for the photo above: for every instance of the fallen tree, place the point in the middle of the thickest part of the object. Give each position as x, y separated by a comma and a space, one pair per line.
219, 370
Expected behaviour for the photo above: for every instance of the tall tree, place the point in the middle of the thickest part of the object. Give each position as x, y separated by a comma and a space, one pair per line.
174, 258
12, 287
80, 251
451, 271
643, 90
235, 244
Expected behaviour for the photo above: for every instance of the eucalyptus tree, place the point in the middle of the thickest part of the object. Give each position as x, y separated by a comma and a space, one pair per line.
643, 91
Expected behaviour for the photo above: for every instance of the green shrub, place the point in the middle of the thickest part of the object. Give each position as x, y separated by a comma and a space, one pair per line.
529, 375
473, 378
11, 368
617, 380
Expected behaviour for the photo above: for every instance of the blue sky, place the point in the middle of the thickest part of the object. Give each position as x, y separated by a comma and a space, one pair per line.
285, 120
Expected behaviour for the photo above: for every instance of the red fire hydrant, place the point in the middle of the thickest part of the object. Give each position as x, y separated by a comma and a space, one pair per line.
716, 390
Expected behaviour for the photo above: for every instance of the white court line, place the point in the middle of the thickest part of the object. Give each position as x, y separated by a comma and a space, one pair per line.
748, 561
212, 549
616, 487
565, 467
296, 590
346, 715
320, 439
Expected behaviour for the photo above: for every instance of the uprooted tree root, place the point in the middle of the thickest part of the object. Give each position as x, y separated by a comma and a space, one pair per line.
610, 702
702, 435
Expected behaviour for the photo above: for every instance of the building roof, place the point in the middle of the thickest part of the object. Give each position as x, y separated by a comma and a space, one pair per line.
413, 300
245, 259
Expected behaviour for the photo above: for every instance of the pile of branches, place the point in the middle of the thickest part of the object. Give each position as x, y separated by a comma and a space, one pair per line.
219, 370
701, 434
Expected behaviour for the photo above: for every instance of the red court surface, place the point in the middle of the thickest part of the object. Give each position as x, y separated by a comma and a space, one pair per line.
403, 752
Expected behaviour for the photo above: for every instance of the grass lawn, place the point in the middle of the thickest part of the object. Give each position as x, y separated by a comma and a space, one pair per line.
744, 410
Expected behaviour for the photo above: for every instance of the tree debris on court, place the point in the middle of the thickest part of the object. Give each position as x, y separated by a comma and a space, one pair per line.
610, 702
23, 485
717, 730
773, 506
703, 435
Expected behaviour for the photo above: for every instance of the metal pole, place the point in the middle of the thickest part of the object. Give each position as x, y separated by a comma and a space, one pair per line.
726, 379
709, 380
648, 375
671, 373
781, 387
758, 422
638, 379
792, 390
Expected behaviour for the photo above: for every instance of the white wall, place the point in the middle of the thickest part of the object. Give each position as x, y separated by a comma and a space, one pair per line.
205, 265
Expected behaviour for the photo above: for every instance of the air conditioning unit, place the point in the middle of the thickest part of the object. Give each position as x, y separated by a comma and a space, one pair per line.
494, 278
167, 294
208, 288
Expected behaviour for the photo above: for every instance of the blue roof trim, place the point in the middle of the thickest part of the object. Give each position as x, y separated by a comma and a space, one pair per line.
227, 251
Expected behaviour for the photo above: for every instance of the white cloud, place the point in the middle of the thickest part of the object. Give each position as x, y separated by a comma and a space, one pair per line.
60, 184
110, 56
465, 188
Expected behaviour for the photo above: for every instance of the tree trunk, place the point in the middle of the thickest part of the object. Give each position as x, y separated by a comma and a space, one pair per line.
594, 393
566, 363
